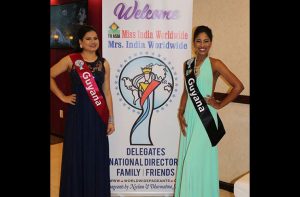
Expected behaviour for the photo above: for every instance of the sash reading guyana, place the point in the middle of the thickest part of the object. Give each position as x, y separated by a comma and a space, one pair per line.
90, 86
215, 134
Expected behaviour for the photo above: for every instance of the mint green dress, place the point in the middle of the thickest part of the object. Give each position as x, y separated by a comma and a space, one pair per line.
197, 171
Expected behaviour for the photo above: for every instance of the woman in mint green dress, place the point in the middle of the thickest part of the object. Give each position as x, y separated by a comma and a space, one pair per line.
197, 172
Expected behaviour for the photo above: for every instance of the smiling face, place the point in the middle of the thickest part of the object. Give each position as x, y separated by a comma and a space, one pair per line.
202, 44
90, 41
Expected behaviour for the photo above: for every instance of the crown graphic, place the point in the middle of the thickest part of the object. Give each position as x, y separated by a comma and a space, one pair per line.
147, 70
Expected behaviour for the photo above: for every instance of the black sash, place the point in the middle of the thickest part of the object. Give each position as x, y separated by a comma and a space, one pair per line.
214, 134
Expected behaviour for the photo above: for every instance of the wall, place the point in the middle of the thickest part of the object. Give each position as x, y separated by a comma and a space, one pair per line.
95, 17
234, 147
63, 82
229, 21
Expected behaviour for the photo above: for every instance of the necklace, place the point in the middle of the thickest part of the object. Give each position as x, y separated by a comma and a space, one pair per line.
196, 68
196, 71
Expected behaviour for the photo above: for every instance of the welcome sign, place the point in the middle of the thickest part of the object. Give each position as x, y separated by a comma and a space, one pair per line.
146, 44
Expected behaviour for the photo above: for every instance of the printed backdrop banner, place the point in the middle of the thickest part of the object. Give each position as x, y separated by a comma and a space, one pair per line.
146, 43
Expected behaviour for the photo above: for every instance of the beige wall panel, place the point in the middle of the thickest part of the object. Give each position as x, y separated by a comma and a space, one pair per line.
230, 23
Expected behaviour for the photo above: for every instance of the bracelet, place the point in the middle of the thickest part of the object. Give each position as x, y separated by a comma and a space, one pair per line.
111, 120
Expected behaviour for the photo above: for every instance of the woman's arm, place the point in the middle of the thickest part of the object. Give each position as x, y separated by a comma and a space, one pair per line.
108, 97
181, 109
237, 86
55, 70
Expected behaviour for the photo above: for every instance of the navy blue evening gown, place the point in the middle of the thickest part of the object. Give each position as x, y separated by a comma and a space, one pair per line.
85, 160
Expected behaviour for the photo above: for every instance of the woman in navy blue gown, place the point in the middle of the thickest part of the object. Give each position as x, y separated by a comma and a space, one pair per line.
85, 160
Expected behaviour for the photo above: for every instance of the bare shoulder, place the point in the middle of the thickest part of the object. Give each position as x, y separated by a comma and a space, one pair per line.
68, 58
68, 61
216, 62
105, 63
65, 62
106, 66
188, 61
184, 64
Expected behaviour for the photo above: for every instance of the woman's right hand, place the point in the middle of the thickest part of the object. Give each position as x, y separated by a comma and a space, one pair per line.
182, 122
71, 99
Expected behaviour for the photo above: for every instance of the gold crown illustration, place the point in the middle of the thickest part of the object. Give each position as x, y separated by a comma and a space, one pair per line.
146, 70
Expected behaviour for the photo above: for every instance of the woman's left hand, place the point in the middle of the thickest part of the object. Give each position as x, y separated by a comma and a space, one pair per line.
210, 100
110, 128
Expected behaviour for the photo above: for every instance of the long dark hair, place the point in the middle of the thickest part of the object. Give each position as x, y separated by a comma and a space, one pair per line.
82, 30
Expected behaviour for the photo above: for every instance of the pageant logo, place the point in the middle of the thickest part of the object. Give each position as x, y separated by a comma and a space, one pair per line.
146, 84
114, 31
